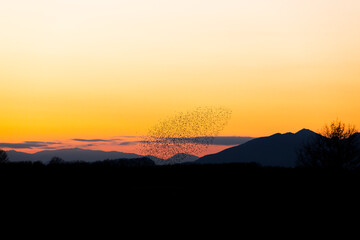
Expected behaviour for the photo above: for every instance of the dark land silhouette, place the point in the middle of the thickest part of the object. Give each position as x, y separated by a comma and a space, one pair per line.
71, 154
110, 190
336, 147
140, 177
271, 180
278, 150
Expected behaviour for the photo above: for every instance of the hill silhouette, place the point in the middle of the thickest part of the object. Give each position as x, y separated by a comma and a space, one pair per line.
71, 154
276, 150
86, 155
180, 158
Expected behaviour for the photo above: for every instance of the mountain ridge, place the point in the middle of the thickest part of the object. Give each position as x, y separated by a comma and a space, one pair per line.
278, 149
87, 155
69, 154
274, 150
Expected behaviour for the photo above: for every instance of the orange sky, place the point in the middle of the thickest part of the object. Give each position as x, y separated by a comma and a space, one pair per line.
104, 68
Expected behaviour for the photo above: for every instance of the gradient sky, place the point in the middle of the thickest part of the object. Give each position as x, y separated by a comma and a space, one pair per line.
104, 68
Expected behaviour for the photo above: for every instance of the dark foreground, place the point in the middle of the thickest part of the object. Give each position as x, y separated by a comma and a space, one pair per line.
237, 196
177, 184
189, 195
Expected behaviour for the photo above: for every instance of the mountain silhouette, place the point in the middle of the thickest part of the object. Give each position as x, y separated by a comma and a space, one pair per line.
276, 150
78, 154
15, 156
72, 154
182, 158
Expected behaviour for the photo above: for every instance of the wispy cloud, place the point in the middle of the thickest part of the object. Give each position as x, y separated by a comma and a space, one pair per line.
49, 148
27, 144
231, 140
224, 141
131, 143
128, 143
94, 140
115, 143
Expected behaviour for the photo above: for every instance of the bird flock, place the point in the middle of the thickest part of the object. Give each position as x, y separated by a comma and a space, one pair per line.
188, 132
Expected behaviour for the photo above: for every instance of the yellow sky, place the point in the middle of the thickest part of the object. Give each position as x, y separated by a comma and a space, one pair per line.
103, 68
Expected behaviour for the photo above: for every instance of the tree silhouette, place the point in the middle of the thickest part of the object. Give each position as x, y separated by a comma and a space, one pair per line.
3, 157
335, 147
56, 160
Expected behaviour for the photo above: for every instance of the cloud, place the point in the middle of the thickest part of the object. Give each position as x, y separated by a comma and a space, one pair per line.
94, 140
37, 142
130, 143
49, 148
226, 141
90, 145
27, 144
231, 140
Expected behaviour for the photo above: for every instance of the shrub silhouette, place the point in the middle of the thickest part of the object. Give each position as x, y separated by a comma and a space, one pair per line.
3, 157
335, 147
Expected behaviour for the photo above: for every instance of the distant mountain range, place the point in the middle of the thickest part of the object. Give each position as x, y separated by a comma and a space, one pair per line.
276, 150
78, 154
176, 159
72, 154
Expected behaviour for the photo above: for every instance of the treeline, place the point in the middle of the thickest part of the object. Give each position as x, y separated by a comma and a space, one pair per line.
111, 183
143, 172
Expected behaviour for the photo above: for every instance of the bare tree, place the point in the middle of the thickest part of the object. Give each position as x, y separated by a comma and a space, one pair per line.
336, 147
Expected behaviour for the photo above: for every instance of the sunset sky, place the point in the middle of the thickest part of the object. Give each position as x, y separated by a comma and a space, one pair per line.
102, 69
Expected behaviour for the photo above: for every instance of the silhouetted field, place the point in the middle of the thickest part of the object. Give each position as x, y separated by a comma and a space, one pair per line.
245, 183
108, 192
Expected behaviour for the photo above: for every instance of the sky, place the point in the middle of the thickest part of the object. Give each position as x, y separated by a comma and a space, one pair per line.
98, 69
